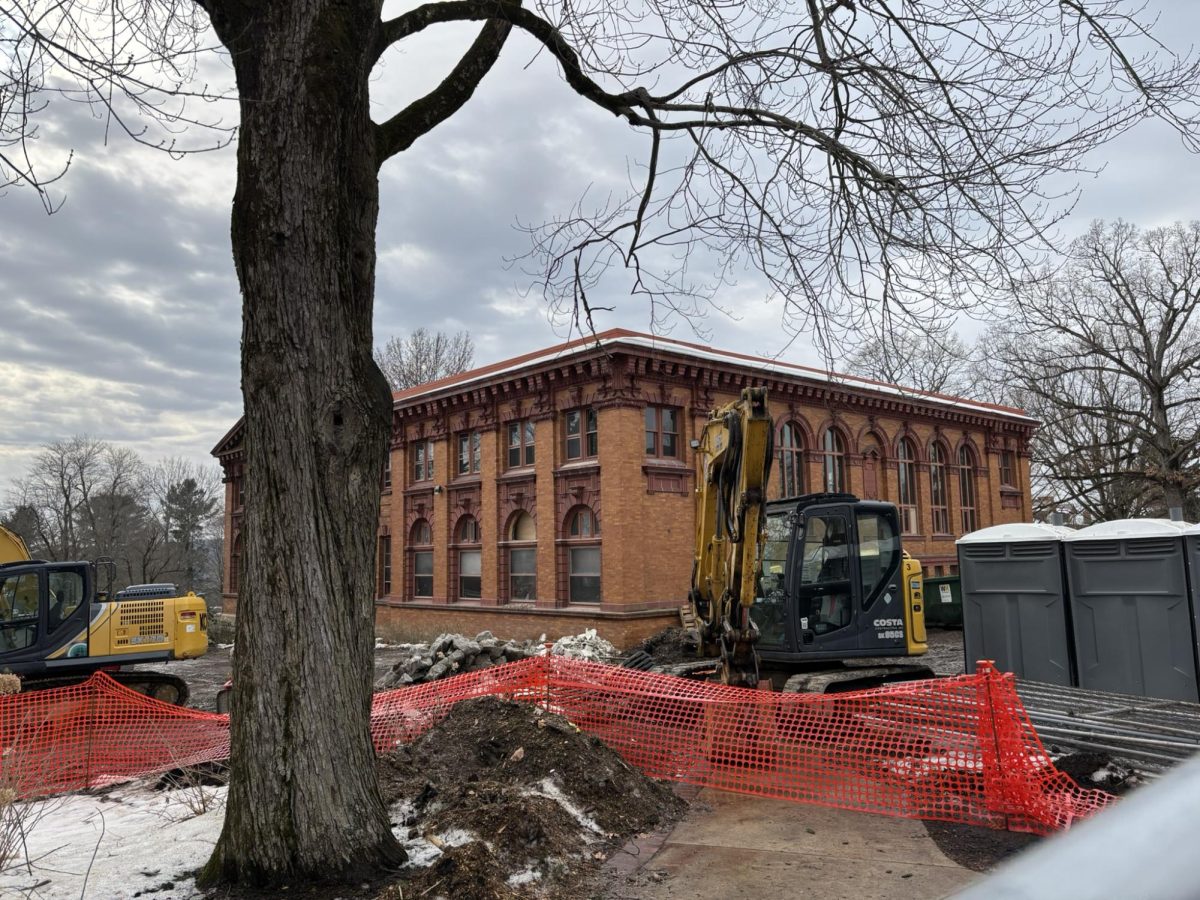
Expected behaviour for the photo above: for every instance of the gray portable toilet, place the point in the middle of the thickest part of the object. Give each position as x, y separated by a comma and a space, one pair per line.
1131, 617
1014, 601
1191, 550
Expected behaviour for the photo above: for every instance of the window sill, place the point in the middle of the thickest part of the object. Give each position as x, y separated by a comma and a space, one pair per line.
576, 465
515, 474
468, 478
665, 462
420, 487
1009, 489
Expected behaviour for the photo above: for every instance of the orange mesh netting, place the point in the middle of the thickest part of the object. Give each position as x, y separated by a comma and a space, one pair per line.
958, 749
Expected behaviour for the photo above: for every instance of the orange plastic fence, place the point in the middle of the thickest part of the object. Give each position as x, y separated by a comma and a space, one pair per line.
957, 749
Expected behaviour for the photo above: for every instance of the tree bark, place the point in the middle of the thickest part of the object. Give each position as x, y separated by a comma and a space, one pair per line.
303, 798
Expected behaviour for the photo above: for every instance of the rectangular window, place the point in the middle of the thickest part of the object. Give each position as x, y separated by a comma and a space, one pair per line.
469, 456
385, 565
241, 492
662, 431
19, 600
470, 582
387, 471
581, 433
423, 573
1008, 469
422, 457
520, 444
523, 574
585, 574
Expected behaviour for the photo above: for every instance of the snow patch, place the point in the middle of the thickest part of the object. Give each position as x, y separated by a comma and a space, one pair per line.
551, 791
142, 841
525, 876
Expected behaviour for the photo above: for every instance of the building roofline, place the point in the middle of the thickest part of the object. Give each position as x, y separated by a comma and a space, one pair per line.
618, 337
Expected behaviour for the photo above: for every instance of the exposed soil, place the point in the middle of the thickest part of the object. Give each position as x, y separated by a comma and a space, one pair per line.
976, 848
531, 795
1099, 771
671, 645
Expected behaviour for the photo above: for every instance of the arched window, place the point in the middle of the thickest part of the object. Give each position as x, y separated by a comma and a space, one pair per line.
582, 523
791, 460
966, 489
469, 558
906, 476
235, 565
835, 461
522, 558
581, 545
420, 550
939, 493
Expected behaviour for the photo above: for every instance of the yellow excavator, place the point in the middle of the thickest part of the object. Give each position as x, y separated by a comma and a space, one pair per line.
57, 627
808, 591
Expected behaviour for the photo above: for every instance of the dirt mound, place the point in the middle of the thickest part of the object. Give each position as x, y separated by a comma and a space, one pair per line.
1098, 770
517, 800
671, 645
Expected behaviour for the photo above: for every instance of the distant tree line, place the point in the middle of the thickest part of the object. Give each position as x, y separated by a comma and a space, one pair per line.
83, 498
1105, 352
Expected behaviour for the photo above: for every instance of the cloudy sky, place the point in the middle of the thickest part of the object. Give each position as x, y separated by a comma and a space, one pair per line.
119, 314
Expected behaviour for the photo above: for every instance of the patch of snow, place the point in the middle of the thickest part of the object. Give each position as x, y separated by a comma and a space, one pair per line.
456, 837
224, 646
525, 876
551, 791
141, 839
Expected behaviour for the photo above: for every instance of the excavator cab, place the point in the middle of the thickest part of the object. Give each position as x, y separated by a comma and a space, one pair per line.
832, 582
43, 607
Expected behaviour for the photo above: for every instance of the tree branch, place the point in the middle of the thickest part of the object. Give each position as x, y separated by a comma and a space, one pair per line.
421, 116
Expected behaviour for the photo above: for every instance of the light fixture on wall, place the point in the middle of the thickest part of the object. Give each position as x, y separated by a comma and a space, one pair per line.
437, 489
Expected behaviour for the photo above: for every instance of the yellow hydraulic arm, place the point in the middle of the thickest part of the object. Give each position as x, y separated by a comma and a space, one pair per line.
12, 548
735, 451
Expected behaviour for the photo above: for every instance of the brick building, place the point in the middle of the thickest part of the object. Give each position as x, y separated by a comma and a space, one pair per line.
554, 491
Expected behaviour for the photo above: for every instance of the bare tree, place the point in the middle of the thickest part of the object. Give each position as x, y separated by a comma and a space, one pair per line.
858, 154
1106, 353
57, 487
933, 359
424, 356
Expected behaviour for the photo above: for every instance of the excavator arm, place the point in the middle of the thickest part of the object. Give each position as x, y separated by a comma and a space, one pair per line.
735, 451
12, 548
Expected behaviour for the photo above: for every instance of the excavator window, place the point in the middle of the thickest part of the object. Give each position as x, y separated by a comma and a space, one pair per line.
878, 549
66, 595
826, 572
18, 611
769, 611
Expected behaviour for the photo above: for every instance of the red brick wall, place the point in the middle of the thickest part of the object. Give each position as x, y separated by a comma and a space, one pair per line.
644, 506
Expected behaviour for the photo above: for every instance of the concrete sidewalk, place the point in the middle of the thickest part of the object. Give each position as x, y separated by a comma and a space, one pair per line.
732, 846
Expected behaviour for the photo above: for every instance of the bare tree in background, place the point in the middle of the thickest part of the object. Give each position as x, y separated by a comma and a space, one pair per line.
856, 154
84, 498
424, 356
933, 359
1106, 353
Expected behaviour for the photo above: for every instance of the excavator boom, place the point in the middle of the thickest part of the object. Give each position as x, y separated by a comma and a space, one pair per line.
735, 452
12, 548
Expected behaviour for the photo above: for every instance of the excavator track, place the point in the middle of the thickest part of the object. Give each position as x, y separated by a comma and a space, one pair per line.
155, 685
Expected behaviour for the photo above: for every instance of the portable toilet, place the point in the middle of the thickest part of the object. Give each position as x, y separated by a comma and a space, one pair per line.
1191, 550
1014, 604
1132, 620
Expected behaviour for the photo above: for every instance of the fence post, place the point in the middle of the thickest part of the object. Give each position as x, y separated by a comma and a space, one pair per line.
995, 781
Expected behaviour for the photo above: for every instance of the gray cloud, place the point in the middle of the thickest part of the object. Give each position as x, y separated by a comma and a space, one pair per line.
120, 315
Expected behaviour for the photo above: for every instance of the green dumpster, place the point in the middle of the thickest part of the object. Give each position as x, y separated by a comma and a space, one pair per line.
943, 602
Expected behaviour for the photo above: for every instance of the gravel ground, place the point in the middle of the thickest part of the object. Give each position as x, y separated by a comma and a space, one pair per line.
945, 654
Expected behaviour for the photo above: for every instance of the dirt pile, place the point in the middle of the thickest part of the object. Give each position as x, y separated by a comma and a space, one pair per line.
1098, 770
503, 799
671, 645
453, 654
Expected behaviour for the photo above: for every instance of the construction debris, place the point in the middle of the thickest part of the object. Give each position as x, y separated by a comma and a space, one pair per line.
506, 800
453, 654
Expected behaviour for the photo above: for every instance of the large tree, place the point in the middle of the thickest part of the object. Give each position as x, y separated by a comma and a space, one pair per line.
856, 153
1106, 353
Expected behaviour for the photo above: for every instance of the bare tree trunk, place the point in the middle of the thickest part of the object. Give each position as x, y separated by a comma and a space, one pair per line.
303, 800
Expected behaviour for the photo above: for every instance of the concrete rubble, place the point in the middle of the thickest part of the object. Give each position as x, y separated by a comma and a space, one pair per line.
454, 654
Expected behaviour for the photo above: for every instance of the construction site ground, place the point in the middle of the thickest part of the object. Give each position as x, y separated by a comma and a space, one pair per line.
731, 846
